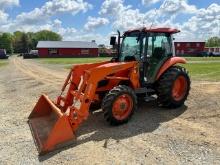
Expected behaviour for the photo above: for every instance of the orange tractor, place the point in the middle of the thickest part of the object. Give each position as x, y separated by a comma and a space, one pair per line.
144, 66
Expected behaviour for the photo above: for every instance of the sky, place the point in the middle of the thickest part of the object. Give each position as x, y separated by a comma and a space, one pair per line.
86, 20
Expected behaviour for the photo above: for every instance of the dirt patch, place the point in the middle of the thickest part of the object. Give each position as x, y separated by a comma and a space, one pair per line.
186, 135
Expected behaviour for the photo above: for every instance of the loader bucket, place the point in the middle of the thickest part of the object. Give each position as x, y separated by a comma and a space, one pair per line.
49, 126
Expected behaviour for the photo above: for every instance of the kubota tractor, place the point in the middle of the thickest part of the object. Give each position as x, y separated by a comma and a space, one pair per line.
145, 66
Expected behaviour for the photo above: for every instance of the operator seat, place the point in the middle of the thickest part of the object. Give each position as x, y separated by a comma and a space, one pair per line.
158, 52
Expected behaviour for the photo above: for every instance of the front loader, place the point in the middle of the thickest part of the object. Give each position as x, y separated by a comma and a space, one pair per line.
145, 65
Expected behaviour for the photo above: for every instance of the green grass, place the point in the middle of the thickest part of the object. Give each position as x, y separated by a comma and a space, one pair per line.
202, 58
203, 68
3, 63
72, 60
99, 59
204, 71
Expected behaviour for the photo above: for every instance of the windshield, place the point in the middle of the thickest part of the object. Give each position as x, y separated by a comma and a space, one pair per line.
135, 45
130, 47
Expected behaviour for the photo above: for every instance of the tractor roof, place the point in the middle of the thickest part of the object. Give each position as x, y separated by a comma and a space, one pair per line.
155, 30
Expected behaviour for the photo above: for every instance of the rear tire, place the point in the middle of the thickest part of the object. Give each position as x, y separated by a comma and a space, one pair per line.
119, 105
173, 87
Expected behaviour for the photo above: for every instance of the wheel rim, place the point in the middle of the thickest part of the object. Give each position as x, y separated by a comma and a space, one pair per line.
122, 107
179, 88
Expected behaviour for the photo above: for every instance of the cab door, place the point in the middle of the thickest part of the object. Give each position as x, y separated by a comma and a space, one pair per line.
158, 48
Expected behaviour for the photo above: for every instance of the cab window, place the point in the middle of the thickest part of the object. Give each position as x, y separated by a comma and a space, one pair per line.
159, 45
130, 47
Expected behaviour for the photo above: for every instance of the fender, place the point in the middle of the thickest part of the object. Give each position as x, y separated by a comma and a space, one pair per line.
170, 62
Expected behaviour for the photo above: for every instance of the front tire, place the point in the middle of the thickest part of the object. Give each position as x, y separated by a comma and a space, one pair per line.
119, 104
173, 87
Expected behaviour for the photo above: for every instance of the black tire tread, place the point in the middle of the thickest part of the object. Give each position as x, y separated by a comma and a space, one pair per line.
165, 84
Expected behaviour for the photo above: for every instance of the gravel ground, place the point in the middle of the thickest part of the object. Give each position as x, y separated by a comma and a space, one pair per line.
188, 135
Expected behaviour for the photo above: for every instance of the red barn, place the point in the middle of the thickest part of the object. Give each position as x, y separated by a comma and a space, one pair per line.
189, 47
67, 49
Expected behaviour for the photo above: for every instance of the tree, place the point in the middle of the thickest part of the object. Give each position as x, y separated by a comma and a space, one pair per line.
6, 42
213, 42
17, 41
32, 42
46, 35
24, 43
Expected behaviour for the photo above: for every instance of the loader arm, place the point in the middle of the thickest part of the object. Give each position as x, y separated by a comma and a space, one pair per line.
53, 124
81, 93
73, 78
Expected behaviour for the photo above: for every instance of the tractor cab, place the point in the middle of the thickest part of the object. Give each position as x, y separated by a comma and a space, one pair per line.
150, 47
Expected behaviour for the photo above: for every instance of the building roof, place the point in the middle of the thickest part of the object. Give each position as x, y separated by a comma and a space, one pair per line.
155, 30
189, 40
66, 44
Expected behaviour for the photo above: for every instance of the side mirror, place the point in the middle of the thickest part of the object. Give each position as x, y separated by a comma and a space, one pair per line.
113, 40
